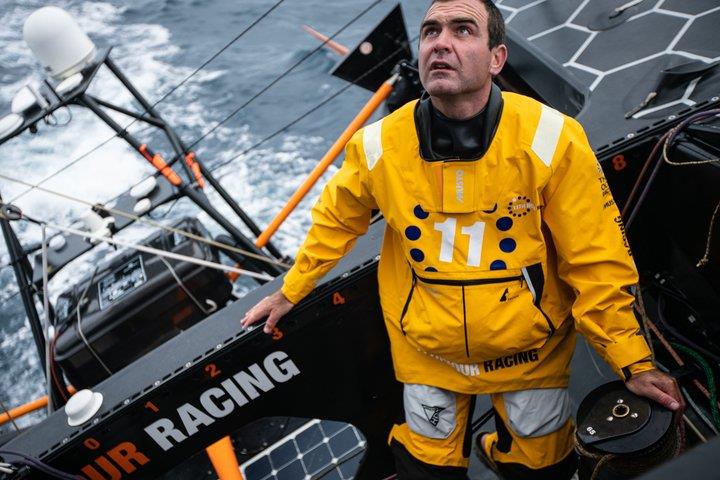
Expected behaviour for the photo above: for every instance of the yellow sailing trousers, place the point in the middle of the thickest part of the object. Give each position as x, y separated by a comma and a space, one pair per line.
533, 437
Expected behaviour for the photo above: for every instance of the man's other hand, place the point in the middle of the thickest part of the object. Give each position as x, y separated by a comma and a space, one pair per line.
657, 386
272, 307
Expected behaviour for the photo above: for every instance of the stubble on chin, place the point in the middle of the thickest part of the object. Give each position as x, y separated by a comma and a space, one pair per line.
440, 87
440, 93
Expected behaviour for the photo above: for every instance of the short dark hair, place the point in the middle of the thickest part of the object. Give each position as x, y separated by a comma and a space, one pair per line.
496, 22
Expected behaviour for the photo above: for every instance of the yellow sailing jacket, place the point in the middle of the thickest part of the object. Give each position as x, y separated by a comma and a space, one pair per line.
484, 262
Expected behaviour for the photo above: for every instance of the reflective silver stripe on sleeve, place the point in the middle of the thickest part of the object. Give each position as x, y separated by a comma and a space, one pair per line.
547, 134
537, 412
372, 143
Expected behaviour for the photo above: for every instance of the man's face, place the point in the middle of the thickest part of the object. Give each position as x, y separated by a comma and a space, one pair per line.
455, 59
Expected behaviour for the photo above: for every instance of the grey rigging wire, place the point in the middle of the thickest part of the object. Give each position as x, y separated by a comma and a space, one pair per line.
73, 162
5, 301
157, 102
274, 134
227, 45
7, 412
46, 317
152, 222
277, 132
313, 109
284, 74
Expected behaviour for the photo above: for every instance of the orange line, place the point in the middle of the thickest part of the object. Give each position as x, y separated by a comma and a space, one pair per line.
377, 99
17, 412
331, 44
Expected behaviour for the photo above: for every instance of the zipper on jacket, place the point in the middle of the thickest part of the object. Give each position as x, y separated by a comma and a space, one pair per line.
464, 283
467, 347
407, 302
535, 279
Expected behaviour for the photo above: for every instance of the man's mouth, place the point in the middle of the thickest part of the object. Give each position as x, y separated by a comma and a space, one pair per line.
440, 66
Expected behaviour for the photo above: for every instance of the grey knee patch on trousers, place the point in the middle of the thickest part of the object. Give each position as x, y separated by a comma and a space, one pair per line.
430, 411
537, 412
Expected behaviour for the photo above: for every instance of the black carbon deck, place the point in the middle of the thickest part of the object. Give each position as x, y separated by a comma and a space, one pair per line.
619, 66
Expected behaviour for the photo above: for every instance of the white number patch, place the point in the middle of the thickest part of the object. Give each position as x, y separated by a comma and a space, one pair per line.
448, 229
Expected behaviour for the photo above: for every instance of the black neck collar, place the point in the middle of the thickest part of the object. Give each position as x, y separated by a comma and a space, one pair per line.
443, 138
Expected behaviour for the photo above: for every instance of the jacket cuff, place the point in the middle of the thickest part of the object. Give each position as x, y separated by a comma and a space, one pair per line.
627, 352
637, 367
294, 288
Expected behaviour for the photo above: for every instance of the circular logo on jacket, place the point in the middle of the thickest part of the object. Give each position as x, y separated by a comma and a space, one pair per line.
520, 206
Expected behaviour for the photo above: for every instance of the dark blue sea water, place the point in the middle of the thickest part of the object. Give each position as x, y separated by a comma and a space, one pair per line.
157, 43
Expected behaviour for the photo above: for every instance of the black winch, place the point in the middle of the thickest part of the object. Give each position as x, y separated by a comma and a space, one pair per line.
620, 435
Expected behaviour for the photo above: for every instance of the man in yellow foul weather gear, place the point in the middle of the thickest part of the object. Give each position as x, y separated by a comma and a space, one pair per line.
500, 244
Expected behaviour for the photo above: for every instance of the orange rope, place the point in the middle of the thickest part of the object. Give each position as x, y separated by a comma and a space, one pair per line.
17, 412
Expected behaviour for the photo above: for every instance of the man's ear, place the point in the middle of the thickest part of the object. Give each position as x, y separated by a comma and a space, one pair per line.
497, 61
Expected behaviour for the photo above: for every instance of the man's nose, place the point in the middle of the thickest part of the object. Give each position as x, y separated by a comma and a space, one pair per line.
442, 42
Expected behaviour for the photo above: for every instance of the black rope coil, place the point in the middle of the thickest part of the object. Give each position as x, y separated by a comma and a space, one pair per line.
616, 466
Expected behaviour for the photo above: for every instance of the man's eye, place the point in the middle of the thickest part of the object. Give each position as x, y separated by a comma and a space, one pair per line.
462, 30
429, 32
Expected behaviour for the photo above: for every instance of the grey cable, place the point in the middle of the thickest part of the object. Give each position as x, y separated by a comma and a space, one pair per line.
699, 411
79, 324
7, 412
182, 285
46, 315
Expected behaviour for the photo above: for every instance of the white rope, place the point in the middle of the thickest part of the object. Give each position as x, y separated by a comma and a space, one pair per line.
145, 221
155, 251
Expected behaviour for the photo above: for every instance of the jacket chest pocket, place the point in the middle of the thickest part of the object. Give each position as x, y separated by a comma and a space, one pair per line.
475, 320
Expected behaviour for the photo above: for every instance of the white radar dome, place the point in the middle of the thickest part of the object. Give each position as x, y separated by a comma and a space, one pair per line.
57, 41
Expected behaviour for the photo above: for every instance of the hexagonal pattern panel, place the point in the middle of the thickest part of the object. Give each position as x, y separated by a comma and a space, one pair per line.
630, 41
619, 50
702, 40
563, 42
555, 13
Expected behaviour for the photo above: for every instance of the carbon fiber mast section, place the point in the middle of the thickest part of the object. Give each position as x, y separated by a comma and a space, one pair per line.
215, 378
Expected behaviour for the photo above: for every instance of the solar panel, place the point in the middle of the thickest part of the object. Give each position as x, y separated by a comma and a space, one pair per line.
319, 450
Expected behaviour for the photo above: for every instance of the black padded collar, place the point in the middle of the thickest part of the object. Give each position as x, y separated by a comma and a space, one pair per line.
442, 138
